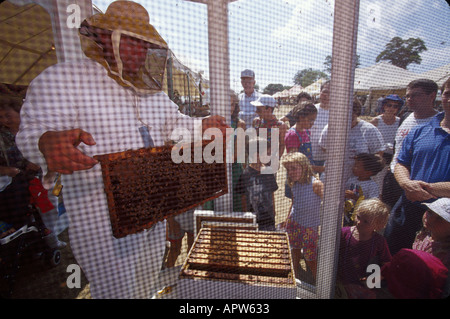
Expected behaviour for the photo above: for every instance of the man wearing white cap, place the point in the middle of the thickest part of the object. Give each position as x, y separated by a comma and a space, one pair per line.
248, 111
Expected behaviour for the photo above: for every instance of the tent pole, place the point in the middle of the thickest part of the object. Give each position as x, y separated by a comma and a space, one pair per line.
189, 94
170, 77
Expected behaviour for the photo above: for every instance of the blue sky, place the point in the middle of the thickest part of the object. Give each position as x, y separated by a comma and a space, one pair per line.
277, 38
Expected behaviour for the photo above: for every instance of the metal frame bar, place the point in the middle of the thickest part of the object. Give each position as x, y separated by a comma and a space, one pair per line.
346, 14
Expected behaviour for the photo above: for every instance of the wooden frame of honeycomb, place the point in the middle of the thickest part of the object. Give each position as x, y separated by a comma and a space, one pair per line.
145, 186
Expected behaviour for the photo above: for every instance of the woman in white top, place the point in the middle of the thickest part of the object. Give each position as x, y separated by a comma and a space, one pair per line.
388, 123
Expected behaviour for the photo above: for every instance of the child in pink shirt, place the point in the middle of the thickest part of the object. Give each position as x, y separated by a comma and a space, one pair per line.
361, 245
298, 137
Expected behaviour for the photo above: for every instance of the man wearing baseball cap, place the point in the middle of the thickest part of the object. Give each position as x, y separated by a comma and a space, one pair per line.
248, 111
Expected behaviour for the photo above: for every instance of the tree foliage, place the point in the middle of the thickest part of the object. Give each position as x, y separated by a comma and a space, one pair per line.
308, 76
402, 53
271, 89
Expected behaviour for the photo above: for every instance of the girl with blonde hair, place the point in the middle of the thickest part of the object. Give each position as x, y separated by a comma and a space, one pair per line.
362, 245
303, 221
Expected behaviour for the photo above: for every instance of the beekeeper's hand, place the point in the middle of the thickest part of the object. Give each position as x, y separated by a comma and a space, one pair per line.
61, 153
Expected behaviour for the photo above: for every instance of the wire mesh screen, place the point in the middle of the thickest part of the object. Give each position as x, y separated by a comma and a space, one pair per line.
217, 149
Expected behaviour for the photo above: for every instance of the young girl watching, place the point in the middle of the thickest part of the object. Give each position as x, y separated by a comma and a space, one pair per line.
434, 238
298, 137
366, 165
361, 245
360, 185
304, 219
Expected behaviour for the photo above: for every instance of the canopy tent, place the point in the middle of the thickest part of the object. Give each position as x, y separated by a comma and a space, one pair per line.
281, 94
27, 44
438, 75
382, 74
314, 88
295, 90
396, 81
288, 95
277, 94
187, 85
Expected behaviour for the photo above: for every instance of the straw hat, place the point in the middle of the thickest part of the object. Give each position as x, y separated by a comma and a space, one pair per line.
128, 16
125, 18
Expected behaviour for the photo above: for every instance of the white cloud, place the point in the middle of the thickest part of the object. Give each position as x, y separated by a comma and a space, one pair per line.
310, 22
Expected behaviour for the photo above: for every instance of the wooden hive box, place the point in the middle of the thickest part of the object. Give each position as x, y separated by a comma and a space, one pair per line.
209, 216
238, 264
145, 186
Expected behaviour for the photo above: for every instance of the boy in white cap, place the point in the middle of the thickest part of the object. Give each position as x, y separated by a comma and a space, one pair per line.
265, 106
110, 102
248, 111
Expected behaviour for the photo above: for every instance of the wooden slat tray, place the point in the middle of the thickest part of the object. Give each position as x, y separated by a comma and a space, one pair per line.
240, 255
145, 186
226, 219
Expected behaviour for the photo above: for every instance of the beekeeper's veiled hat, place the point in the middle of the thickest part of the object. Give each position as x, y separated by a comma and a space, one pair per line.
131, 19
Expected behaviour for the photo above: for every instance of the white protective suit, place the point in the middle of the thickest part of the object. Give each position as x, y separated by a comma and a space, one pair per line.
82, 95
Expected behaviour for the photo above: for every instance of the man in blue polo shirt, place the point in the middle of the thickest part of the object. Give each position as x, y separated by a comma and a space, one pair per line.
423, 172
247, 110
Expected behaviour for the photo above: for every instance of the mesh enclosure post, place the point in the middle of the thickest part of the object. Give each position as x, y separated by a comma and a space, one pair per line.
344, 52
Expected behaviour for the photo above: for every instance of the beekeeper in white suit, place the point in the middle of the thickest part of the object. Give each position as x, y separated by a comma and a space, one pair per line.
110, 102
